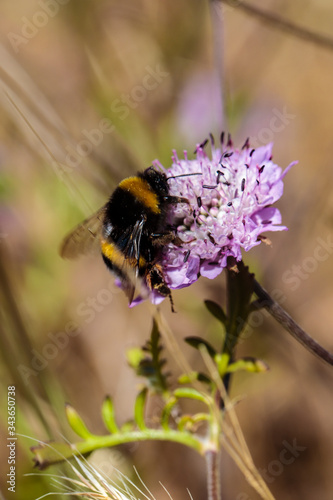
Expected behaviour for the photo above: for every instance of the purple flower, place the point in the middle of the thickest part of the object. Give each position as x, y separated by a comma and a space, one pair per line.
230, 197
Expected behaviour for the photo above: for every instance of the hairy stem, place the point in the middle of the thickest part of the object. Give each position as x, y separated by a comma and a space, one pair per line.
212, 458
290, 325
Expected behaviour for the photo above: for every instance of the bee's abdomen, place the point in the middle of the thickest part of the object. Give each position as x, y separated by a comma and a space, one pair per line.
116, 261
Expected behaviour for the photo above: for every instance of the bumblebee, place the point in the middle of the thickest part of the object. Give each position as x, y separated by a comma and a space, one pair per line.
130, 230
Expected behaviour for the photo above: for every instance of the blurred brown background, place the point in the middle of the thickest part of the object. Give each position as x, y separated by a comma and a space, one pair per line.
78, 113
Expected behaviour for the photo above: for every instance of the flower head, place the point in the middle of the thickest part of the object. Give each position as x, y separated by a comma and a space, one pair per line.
230, 195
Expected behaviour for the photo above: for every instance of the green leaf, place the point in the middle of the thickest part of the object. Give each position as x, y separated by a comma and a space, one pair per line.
147, 361
139, 409
216, 311
197, 342
222, 361
76, 422
108, 415
188, 378
248, 364
187, 392
167, 412
187, 421
190, 393
240, 286
135, 356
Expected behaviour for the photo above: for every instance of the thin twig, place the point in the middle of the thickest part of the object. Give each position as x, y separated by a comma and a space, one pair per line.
282, 24
290, 325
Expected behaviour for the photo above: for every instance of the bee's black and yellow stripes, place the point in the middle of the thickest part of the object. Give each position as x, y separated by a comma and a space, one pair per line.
132, 230
117, 259
134, 215
140, 190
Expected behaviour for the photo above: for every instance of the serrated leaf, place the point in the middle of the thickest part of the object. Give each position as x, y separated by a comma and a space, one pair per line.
197, 342
76, 422
148, 362
216, 311
108, 415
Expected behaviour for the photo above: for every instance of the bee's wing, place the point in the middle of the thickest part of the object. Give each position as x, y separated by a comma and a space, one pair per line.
85, 238
133, 285
130, 244
128, 285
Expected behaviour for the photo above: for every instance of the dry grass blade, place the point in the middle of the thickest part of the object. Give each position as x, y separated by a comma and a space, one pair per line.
233, 439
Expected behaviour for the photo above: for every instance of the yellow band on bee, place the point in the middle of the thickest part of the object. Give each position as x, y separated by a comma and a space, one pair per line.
140, 189
117, 258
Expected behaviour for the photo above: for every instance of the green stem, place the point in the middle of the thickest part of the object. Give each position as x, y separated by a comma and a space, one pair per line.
149, 435
51, 453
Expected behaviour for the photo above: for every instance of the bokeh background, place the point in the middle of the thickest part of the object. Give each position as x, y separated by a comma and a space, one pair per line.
78, 113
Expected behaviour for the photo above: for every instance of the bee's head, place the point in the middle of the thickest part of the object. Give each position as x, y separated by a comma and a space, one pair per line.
157, 180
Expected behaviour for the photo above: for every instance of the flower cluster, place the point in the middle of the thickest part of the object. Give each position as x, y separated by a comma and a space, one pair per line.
230, 194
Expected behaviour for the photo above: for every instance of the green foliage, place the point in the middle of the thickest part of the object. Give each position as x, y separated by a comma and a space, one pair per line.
202, 388
76, 422
139, 409
147, 362
216, 311
108, 415
198, 342
240, 285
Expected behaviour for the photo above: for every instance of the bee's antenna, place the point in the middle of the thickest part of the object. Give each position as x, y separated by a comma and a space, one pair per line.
183, 175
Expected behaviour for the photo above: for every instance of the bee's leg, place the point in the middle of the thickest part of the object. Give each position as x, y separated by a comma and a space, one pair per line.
156, 281
161, 239
173, 200
171, 302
